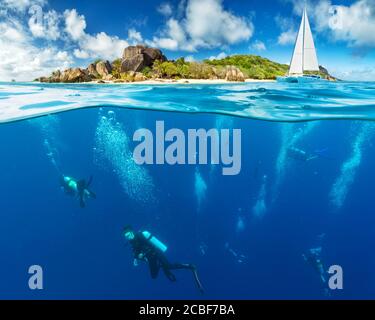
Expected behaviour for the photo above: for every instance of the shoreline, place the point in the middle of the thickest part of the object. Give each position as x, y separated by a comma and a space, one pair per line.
153, 82
182, 81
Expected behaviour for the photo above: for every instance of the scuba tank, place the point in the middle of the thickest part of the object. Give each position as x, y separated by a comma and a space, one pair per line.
154, 241
70, 183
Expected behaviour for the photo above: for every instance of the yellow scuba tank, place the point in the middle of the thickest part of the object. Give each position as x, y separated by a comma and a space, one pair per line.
154, 241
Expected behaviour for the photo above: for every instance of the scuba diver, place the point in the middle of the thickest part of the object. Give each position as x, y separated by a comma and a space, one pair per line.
301, 155
149, 249
78, 189
313, 257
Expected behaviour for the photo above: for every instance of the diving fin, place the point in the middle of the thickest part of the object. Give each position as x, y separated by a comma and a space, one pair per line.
81, 186
92, 194
196, 278
82, 202
89, 182
312, 158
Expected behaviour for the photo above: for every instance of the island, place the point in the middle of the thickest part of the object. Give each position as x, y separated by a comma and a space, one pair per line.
141, 64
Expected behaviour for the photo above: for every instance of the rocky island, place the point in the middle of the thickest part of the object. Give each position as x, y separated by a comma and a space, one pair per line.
140, 63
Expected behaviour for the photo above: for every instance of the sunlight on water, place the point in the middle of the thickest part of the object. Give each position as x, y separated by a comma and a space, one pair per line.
240, 224
221, 122
344, 181
49, 128
260, 207
112, 148
200, 188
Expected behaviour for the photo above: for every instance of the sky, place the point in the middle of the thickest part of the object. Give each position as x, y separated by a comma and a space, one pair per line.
40, 36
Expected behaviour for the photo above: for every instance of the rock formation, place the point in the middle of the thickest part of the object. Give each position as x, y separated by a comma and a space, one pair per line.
70, 75
103, 68
91, 69
136, 58
99, 70
326, 74
234, 74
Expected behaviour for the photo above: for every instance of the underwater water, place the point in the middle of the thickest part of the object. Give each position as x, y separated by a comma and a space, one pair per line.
245, 233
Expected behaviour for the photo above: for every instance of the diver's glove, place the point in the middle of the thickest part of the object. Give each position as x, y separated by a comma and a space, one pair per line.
135, 262
141, 256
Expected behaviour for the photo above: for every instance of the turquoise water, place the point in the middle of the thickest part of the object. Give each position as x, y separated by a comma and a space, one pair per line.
246, 233
262, 101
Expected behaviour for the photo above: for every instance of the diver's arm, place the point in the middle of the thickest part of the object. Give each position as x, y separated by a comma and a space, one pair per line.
138, 254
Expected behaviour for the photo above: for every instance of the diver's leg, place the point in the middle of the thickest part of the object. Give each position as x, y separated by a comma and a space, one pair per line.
191, 267
92, 195
82, 201
154, 267
176, 266
166, 266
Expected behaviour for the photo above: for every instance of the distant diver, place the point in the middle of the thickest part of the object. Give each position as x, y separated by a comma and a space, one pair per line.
301, 155
313, 257
149, 249
240, 258
78, 189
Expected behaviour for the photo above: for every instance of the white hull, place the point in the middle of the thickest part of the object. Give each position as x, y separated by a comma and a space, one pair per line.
300, 79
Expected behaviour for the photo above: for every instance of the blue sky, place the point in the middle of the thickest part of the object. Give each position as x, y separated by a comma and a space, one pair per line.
38, 36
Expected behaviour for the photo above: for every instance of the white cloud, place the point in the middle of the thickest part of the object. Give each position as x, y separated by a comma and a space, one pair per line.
357, 74
258, 46
20, 59
100, 45
164, 43
353, 24
81, 54
287, 37
205, 24
288, 33
221, 55
75, 24
165, 9
103, 46
21, 5
134, 36
47, 28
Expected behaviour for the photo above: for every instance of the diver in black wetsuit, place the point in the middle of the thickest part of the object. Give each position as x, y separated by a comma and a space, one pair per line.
301, 155
149, 249
78, 189
313, 257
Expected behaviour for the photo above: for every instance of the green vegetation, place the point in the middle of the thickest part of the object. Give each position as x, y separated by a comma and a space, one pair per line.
116, 68
181, 69
147, 72
253, 67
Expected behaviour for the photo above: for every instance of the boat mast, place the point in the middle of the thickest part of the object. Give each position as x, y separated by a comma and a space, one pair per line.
303, 38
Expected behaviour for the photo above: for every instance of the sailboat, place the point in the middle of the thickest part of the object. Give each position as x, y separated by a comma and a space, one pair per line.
304, 56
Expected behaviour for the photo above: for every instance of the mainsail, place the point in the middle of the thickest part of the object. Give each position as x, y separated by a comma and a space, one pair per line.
304, 55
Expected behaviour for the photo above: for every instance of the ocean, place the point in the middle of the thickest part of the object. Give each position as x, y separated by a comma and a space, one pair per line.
306, 181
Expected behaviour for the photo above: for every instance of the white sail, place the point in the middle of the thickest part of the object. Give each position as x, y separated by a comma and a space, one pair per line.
310, 59
296, 65
304, 55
